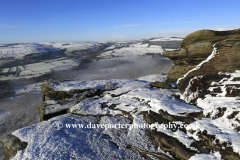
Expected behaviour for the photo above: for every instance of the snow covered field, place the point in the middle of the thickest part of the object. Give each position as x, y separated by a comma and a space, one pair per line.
18, 51
38, 69
65, 45
138, 49
69, 46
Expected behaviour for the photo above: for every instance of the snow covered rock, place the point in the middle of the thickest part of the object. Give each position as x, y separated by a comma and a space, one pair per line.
122, 102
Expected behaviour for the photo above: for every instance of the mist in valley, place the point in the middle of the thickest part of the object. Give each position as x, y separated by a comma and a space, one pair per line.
113, 69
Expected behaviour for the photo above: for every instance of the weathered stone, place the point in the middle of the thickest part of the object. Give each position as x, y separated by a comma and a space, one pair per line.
11, 144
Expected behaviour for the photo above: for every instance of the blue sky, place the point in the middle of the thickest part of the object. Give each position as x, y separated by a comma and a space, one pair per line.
83, 20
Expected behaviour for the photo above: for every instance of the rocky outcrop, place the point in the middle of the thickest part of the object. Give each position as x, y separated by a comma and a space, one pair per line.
11, 144
195, 48
226, 59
